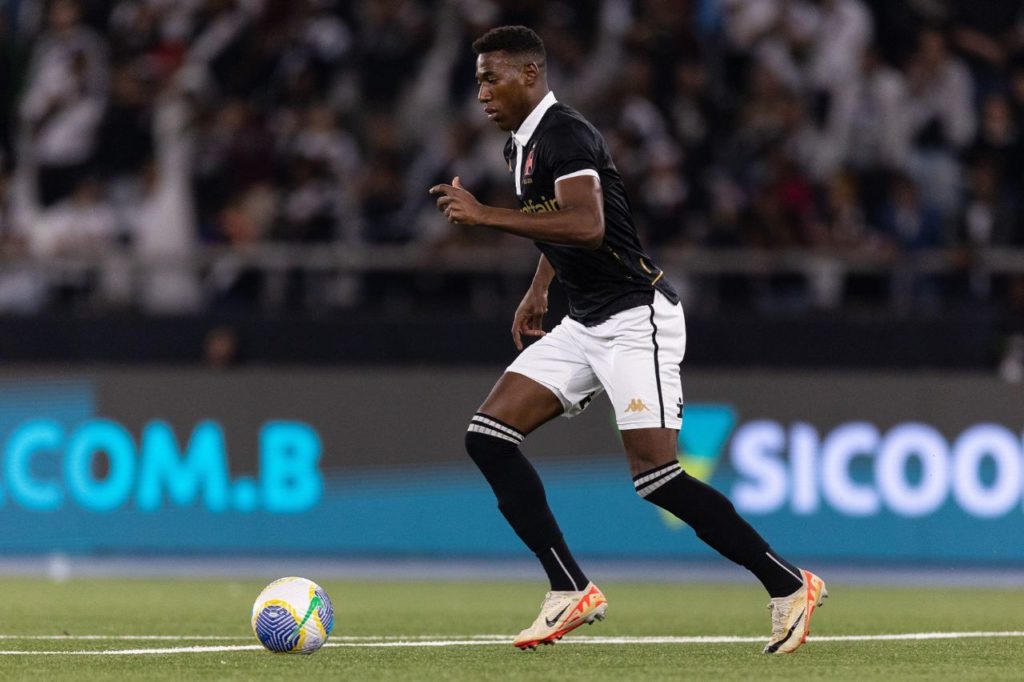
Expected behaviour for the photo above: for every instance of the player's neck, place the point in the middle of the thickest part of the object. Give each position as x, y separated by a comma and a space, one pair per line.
533, 100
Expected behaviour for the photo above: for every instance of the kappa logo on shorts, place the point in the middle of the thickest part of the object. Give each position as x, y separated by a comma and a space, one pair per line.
637, 405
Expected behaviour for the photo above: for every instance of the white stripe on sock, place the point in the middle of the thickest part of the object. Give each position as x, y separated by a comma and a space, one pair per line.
481, 419
575, 587
657, 473
644, 492
799, 578
487, 431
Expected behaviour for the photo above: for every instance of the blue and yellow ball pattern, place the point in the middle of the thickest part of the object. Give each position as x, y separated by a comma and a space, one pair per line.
293, 615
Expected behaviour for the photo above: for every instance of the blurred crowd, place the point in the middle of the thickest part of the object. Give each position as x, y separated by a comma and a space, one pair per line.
862, 127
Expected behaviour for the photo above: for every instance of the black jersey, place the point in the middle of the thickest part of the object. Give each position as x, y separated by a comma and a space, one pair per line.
618, 275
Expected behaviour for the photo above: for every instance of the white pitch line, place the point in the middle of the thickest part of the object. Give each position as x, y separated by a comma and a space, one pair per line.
226, 638
127, 638
137, 652
700, 639
484, 640
914, 636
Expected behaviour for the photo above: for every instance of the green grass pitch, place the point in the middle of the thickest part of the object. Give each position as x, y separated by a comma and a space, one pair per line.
168, 615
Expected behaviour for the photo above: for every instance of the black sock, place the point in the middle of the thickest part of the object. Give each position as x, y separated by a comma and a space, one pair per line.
716, 521
561, 567
494, 447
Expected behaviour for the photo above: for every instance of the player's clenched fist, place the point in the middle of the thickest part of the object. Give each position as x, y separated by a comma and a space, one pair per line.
458, 204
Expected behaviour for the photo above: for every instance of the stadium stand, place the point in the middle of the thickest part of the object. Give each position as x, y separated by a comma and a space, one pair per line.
786, 159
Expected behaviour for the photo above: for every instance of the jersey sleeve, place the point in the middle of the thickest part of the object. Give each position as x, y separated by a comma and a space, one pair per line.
572, 149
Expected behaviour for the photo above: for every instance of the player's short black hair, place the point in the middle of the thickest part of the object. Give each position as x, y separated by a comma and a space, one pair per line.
516, 40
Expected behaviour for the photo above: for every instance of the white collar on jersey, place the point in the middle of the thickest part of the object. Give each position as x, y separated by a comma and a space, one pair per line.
530, 123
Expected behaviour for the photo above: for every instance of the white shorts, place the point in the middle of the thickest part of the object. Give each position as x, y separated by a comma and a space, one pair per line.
634, 356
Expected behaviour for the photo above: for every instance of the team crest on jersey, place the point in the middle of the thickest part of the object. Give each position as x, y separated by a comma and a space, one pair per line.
528, 167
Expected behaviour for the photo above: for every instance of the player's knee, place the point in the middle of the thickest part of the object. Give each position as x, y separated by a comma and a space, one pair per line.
488, 438
654, 478
640, 462
482, 448
650, 450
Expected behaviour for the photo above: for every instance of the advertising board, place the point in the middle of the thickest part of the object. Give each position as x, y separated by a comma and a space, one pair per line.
349, 462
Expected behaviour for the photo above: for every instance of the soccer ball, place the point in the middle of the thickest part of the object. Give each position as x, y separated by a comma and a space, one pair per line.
292, 615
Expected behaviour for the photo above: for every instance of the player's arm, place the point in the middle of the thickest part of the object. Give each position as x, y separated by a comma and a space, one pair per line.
529, 317
579, 220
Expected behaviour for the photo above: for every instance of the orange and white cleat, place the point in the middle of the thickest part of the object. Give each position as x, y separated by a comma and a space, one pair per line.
563, 612
791, 616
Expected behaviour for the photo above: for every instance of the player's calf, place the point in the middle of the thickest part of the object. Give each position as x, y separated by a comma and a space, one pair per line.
494, 447
716, 521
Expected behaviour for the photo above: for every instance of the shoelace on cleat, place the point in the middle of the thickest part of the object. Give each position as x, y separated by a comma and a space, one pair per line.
780, 612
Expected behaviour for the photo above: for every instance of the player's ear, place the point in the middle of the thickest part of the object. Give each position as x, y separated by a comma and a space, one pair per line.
531, 72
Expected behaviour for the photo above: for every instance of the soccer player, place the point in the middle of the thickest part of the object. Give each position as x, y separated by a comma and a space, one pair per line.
624, 334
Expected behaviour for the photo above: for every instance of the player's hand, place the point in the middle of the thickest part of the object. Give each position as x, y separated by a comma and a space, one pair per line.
458, 204
529, 317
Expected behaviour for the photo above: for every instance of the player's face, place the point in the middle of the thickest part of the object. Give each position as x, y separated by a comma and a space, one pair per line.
503, 90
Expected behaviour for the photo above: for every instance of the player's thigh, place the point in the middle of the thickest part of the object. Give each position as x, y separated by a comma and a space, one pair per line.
649, 448
551, 377
637, 358
521, 402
